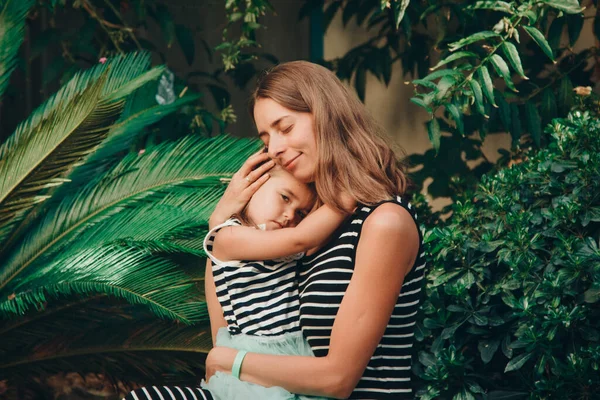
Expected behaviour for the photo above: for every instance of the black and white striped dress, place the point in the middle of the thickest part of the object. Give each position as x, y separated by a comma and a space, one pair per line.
258, 298
324, 278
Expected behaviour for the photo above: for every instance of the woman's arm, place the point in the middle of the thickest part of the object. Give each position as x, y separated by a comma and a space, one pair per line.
386, 251
246, 243
215, 311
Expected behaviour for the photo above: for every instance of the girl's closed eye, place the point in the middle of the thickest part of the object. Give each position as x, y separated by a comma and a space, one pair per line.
301, 214
288, 129
285, 198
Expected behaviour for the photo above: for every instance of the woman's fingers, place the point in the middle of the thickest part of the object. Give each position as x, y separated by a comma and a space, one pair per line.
252, 162
256, 184
255, 174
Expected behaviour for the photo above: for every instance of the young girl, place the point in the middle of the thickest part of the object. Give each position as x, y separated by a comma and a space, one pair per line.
259, 299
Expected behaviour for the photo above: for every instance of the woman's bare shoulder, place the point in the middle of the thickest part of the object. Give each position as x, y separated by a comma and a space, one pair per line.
390, 229
391, 217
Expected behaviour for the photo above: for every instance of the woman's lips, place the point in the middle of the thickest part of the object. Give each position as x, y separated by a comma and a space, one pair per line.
290, 163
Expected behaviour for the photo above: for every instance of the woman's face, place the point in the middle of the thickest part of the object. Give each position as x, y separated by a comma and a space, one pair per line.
289, 137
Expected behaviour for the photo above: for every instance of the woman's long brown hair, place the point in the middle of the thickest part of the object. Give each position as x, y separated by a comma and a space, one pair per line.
354, 156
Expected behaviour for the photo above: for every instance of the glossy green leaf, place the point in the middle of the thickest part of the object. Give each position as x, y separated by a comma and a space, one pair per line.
518, 362
539, 38
425, 83
457, 117
502, 69
400, 7
567, 6
512, 54
478, 96
440, 73
421, 103
433, 130
486, 83
472, 39
455, 56
487, 349
444, 85
502, 6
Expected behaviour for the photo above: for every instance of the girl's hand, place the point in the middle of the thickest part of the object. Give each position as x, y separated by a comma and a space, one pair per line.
244, 183
219, 359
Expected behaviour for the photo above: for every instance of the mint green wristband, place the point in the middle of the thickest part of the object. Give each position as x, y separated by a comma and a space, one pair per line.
237, 363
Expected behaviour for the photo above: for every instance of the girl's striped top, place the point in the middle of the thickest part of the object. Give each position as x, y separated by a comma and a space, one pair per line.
258, 297
323, 280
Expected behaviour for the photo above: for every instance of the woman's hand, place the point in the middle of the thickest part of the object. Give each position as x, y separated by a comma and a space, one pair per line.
219, 359
244, 183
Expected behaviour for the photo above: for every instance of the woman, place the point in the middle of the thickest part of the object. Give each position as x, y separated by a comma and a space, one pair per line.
360, 293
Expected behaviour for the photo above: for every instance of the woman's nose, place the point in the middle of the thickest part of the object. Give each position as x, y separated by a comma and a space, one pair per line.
276, 146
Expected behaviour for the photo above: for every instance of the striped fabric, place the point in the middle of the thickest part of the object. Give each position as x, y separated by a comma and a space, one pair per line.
323, 280
258, 297
169, 393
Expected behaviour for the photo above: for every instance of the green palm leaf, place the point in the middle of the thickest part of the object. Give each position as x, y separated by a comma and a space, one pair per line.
100, 336
170, 166
12, 32
60, 133
161, 221
135, 275
120, 138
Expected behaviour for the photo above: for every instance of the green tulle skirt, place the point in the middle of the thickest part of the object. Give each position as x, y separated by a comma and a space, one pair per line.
225, 387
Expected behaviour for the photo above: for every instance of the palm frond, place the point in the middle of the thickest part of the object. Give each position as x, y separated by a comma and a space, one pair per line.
191, 161
158, 221
12, 32
70, 126
135, 275
102, 336
119, 140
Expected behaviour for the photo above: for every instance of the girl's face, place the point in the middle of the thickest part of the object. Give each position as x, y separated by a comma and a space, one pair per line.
289, 137
280, 202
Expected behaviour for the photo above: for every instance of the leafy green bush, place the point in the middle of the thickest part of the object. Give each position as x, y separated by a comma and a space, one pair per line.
512, 299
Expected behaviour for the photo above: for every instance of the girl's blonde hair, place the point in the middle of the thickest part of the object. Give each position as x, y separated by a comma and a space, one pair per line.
354, 156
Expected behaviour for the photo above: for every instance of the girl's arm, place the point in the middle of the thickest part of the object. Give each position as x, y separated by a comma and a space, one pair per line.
246, 243
215, 311
386, 251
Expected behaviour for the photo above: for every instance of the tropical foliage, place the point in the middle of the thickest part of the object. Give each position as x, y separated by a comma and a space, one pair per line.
512, 307
101, 247
478, 68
